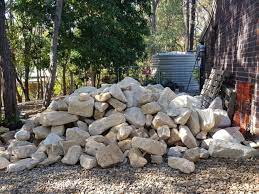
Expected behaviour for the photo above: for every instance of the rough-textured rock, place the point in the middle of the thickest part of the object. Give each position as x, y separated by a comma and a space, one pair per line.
181, 164
59, 130
22, 135
221, 118
174, 136
135, 116
52, 138
116, 104
186, 101
156, 159
21, 165
125, 145
207, 119
84, 97
130, 98
67, 144
165, 98
117, 93
192, 154
92, 146
41, 132
101, 106
82, 125
99, 126
151, 108
202, 135
231, 134
3, 163
6, 137
88, 162
50, 160
55, 118
175, 152
163, 119
149, 119
77, 135
127, 82
39, 156
124, 132
222, 149
103, 97
85, 89
148, 145
194, 123
24, 151
98, 115
136, 158
204, 154
206, 143
109, 155
187, 137
72, 156
82, 108
216, 103
183, 117
163, 132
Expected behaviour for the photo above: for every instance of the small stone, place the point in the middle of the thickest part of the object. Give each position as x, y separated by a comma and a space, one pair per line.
99, 126
21, 165
148, 145
88, 162
156, 159
3, 163
92, 146
24, 151
84, 97
136, 158
204, 154
116, 104
22, 135
77, 135
174, 137
181, 164
163, 132
103, 97
149, 119
109, 155
221, 119
52, 138
201, 135
192, 154
117, 93
72, 155
135, 116
151, 108
125, 145
174, 152
59, 130
153, 134
81, 108
207, 119
41, 132
163, 119
98, 115
101, 106
39, 156
183, 117
193, 123
124, 132
187, 137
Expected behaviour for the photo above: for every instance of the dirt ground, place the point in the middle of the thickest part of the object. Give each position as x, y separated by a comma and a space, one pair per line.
210, 176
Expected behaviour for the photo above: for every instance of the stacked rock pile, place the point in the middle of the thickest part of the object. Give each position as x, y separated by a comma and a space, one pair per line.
125, 122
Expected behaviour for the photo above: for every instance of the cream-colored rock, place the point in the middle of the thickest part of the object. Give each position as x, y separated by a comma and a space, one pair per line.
3, 163
124, 132
182, 119
117, 93
163, 119
101, 106
136, 158
149, 119
72, 156
59, 130
41, 132
165, 98
187, 137
148, 145
151, 108
207, 119
55, 118
109, 155
99, 126
92, 146
186, 101
174, 137
116, 104
230, 134
163, 132
192, 154
125, 145
23, 151
21, 165
181, 164
82, 125
194, 123
84, 96
77, 135
156, 159
103, 97
67, 144
52, 138
221, 119
88, 162
82, 108
22, 135
127, 82
216, 103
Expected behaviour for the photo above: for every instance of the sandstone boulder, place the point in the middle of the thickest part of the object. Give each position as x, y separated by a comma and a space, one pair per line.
221, 118
21, 165
52, 138
116, 104
72, 156
163, 132
103, 97
181, 164
165, 98
194, 123
77, 135
82, 108
187, 137
55, 118
136, 158
59, 130
216, 103
124, 132
3, 163
163, 119
156, 159
135, 116
101, 106
192, 154
92, 146
151, 108
22, 135
207, 119
41, 132
117, 93
88, 162
183, 117
231, 134
24, 151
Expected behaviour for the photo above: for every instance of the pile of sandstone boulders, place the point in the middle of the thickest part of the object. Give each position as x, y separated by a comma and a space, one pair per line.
125, 123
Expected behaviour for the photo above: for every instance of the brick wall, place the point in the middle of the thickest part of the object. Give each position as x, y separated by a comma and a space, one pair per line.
232, 44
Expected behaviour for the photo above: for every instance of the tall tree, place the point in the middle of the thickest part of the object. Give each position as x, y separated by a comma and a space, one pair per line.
192, 29
154, 15
53, 52
9, 76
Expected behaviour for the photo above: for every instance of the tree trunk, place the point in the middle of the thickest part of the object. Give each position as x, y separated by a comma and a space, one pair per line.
154, 20
26, 81
192, 24
41, 86
71, 90
53, 53
64, 79
38, 84
187, 24
9, 75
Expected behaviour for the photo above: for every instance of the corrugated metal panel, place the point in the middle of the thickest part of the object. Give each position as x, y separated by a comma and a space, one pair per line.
177, 67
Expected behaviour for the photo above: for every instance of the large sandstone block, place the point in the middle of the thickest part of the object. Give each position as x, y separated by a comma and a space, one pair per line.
136, 158
187, 137
72, 156
135, 116
163, 119
55, 118
82, 108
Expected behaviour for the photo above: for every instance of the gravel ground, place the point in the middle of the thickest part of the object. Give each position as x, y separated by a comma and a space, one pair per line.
211, 176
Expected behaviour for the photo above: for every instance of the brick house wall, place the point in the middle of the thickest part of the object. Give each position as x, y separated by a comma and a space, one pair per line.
232, 44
